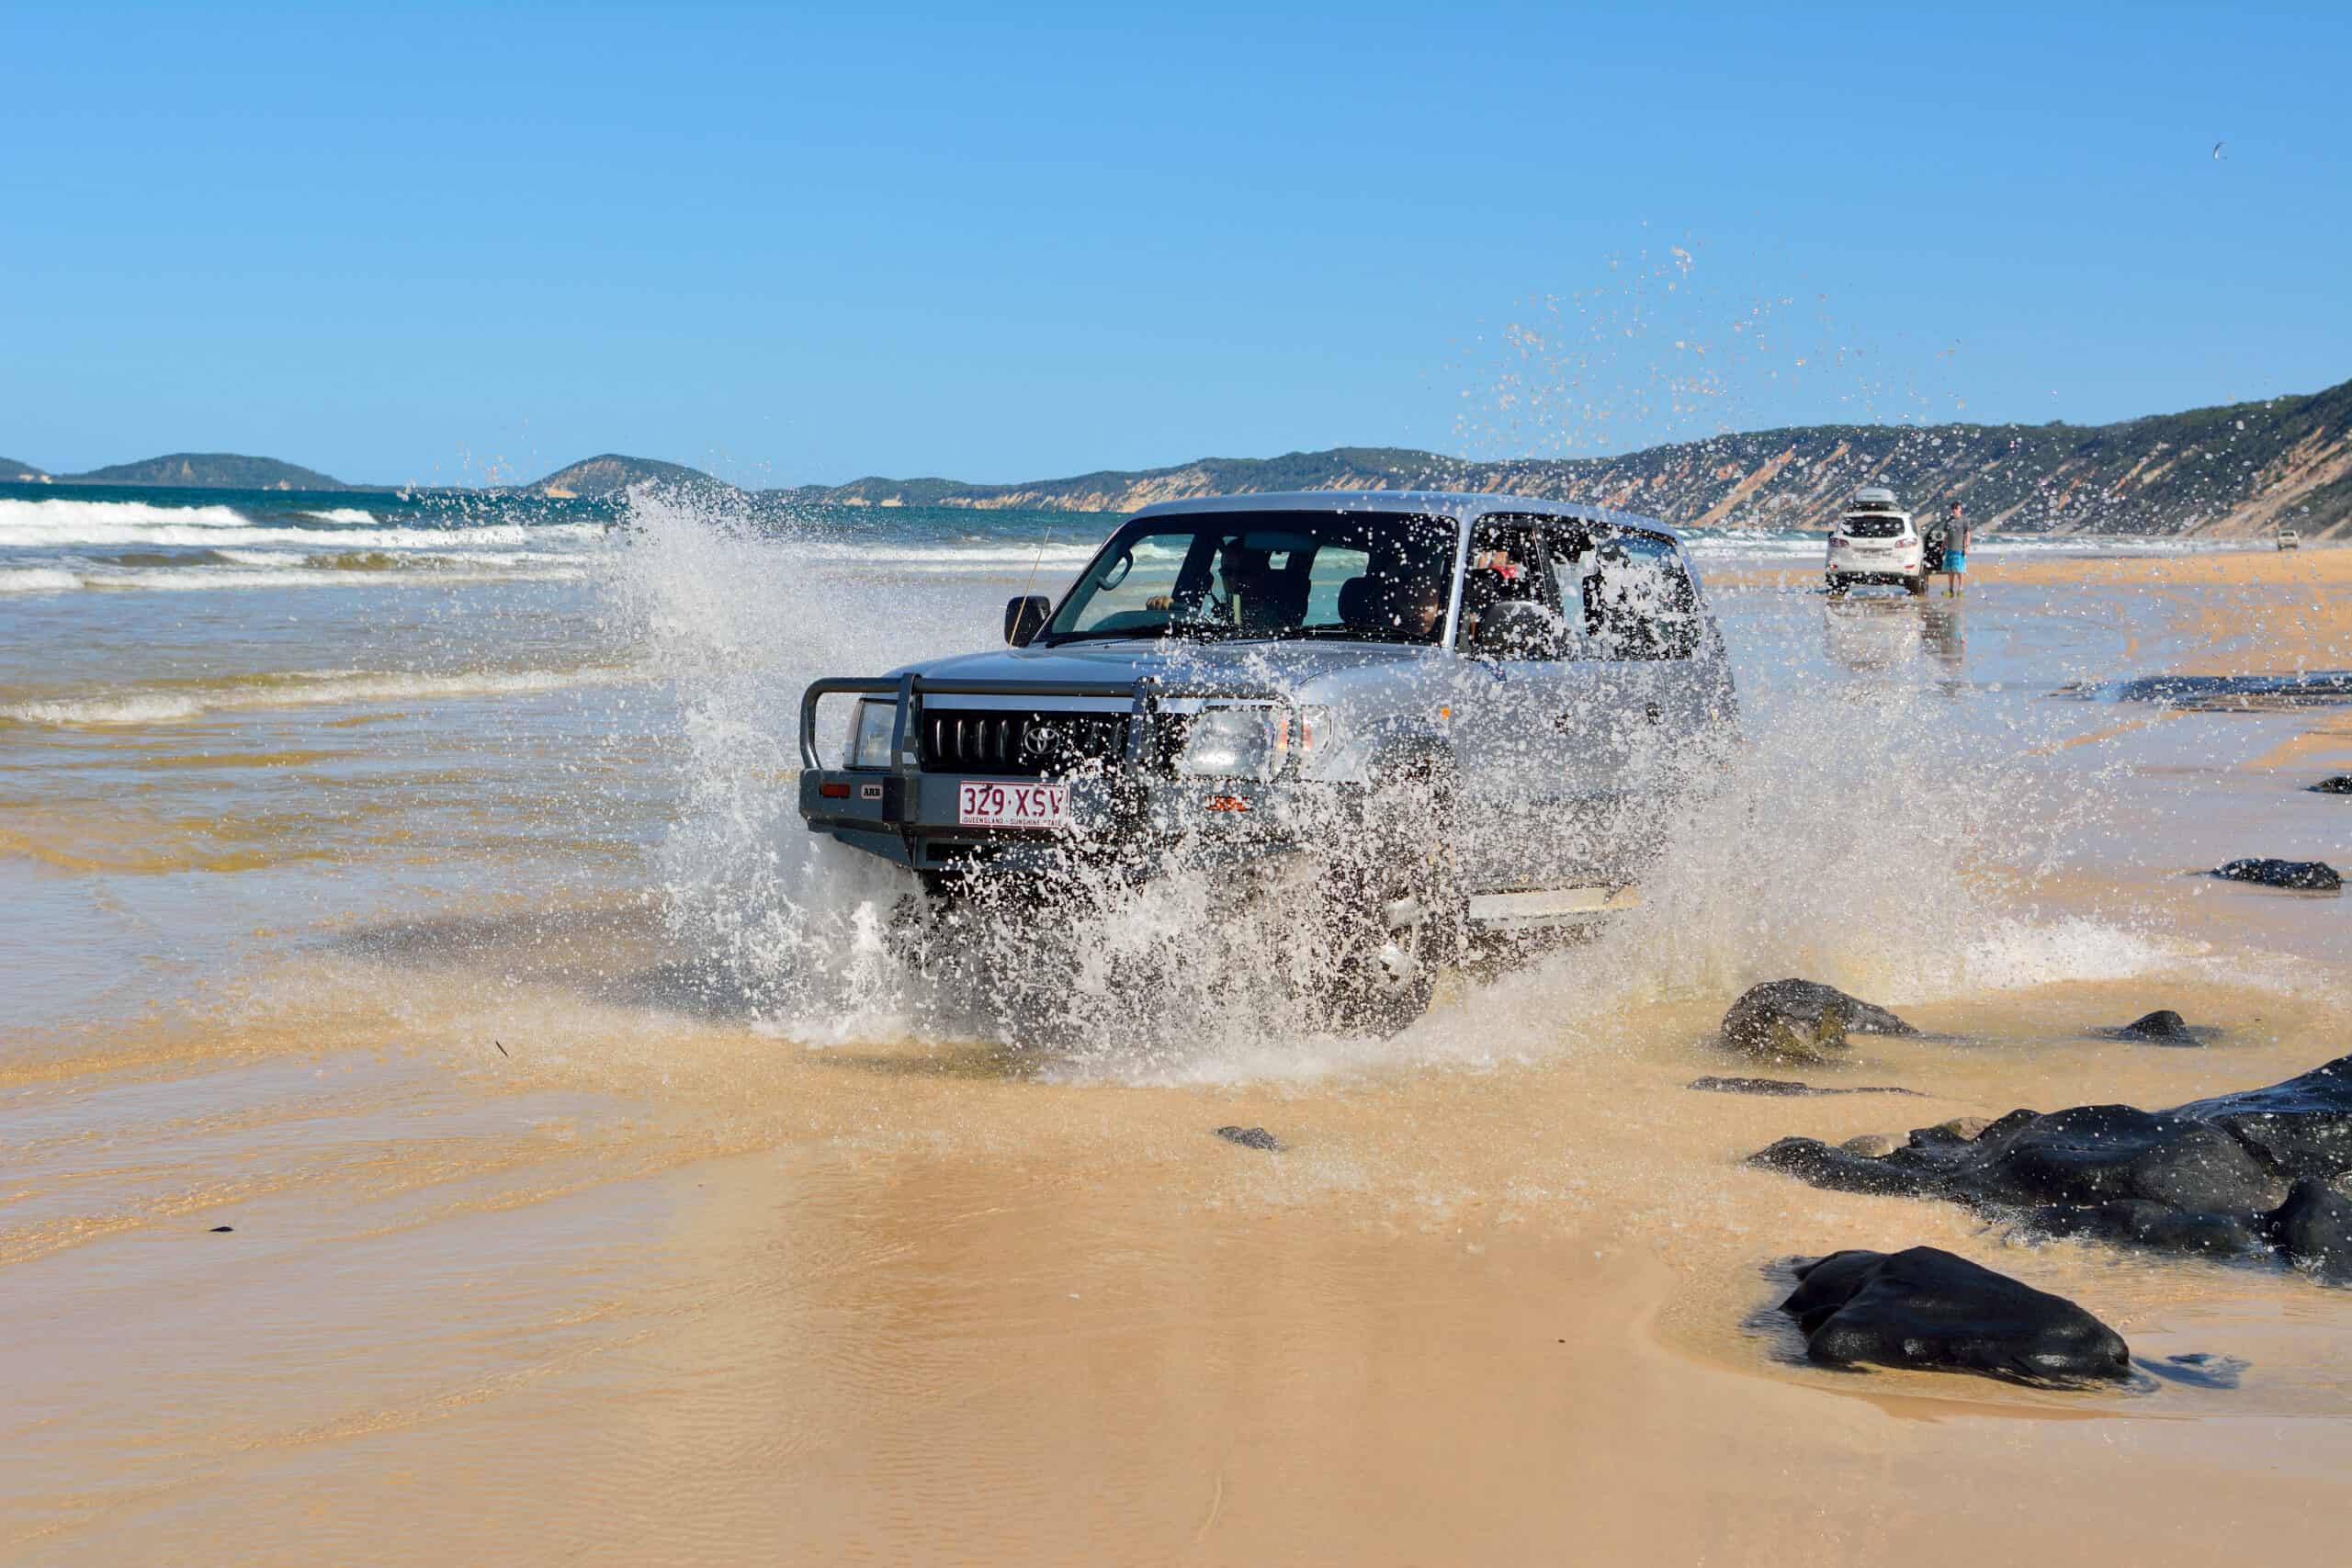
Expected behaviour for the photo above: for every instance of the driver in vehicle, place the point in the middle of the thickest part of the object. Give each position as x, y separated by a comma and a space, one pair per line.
1255, 599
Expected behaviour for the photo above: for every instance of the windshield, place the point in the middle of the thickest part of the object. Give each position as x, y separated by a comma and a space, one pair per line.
1869, 526
1361, 576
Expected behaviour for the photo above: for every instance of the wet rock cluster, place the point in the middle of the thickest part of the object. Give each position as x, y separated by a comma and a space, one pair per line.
2239, 1176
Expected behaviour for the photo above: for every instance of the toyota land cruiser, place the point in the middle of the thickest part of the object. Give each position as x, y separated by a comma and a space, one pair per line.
1463, 714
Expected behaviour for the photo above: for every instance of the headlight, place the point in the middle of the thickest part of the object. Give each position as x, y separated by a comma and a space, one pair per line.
1251, 741
869, 734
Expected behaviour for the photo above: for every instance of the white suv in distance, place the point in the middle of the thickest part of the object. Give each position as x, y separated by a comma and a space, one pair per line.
1875, 541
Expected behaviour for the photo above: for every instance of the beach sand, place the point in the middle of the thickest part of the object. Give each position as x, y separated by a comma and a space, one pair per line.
648, 1281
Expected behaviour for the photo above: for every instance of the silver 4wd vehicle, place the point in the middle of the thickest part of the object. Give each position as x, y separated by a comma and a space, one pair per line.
1440, 714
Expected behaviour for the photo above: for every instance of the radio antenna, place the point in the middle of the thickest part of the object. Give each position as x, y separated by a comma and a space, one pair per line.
1043, 539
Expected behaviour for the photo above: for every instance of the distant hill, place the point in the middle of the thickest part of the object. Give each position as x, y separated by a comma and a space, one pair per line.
14, 472
2240, 470
610, 474
209, 470
2247, 468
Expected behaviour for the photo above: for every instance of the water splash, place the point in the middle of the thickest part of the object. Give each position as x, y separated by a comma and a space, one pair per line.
1863, 834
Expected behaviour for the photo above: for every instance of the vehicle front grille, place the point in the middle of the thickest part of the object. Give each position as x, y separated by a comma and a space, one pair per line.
1021, 745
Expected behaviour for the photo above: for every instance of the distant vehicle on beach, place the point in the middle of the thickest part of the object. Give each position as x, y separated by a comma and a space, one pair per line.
1876, 541
1418, 718
2289, 540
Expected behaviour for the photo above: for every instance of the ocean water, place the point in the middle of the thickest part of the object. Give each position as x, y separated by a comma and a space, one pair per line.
60, 539
335, 709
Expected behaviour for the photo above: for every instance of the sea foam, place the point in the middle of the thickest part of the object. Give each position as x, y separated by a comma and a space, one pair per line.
302, 688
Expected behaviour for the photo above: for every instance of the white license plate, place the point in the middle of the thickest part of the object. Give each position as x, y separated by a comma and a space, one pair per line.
979, 805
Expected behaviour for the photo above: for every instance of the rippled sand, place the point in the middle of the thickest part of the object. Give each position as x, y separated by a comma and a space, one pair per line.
548, 1245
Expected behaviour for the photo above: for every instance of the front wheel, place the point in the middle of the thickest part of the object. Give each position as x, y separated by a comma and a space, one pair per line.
1398, 911
1388, 974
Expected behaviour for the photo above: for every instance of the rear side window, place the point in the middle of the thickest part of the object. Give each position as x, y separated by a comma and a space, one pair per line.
1637, 597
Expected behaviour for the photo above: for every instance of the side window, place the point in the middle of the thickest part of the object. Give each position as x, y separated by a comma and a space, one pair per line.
1510, 607
1638, 601
1132, 590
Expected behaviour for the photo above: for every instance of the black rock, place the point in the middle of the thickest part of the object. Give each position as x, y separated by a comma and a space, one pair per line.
2299, 1127
1929, 1311
2141, 1221
2240, 1174
1786, 1087
223, 1230
1802, 1020
2313, 1228
2162, 1027
2097, 1154
1252, 1138
2304, 876
2340, 784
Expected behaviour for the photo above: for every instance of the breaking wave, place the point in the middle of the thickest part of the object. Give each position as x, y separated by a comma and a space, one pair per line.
301, 688
38, 579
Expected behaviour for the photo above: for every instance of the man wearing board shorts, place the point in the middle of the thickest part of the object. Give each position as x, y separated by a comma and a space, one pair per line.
1955, 551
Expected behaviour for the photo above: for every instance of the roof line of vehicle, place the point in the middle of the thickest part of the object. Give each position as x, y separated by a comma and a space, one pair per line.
1461, 505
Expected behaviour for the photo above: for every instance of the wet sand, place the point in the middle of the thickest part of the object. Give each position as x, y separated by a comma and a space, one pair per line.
649, 1281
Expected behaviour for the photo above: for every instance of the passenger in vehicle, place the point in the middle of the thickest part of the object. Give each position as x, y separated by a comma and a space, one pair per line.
1498, 574
1259, 595
1383, 602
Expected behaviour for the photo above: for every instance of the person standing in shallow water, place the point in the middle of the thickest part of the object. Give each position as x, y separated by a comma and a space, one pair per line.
1955, 550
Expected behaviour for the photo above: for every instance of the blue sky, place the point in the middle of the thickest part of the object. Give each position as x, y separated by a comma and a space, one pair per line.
441, 243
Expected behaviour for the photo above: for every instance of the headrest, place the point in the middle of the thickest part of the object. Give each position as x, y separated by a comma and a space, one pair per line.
1360, 601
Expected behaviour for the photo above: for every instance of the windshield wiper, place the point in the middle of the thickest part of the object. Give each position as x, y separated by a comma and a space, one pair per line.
1211, 631
1117, 634
1348, 634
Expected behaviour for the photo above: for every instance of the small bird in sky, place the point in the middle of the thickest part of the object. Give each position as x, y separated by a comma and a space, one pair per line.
2217, 148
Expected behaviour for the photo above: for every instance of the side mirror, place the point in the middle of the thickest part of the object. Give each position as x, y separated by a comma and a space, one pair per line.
1520, 628
1025, 617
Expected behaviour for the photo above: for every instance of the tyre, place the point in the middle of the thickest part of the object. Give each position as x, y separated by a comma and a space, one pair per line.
1398, 917
1918, 586
1389, 974
1837, 586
